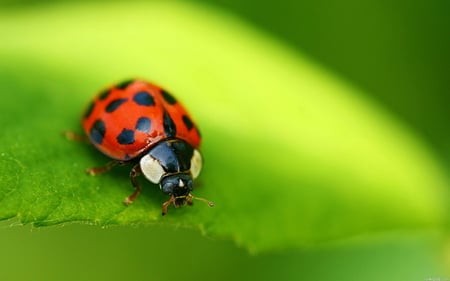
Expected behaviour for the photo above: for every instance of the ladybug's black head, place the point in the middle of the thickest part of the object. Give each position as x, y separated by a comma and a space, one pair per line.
179, 187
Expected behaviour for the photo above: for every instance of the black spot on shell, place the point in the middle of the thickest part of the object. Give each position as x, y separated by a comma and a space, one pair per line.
143, 124
104, 94
144, 98
188, 122
168, 97
126, 137
113, 105
89, 110
97, 131
124, 84
170, 129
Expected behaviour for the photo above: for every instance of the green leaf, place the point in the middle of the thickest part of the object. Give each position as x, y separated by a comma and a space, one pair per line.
294, 156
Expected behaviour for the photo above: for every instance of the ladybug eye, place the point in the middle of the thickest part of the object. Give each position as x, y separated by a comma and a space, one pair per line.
151, 168
190, 185
168, 187
196, 164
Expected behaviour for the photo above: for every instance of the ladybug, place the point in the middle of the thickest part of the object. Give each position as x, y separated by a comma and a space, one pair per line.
139, 123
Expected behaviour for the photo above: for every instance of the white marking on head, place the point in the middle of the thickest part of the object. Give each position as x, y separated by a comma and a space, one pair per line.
151, 169
196, 164
180, 183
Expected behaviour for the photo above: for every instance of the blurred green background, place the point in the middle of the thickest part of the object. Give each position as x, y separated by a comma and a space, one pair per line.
397, 52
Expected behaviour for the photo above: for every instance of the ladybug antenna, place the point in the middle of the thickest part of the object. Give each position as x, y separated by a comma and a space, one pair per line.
190, 196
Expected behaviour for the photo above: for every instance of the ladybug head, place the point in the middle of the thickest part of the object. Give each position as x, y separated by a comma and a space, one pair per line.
179, 187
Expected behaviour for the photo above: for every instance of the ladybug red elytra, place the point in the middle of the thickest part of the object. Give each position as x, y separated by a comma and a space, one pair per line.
139, 123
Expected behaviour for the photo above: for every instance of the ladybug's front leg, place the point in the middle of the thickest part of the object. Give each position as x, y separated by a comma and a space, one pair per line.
100, 170
136, 171
73, 136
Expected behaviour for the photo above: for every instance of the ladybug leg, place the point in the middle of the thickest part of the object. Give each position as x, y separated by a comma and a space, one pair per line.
73, 136
136, 171
166, 204
100, 170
